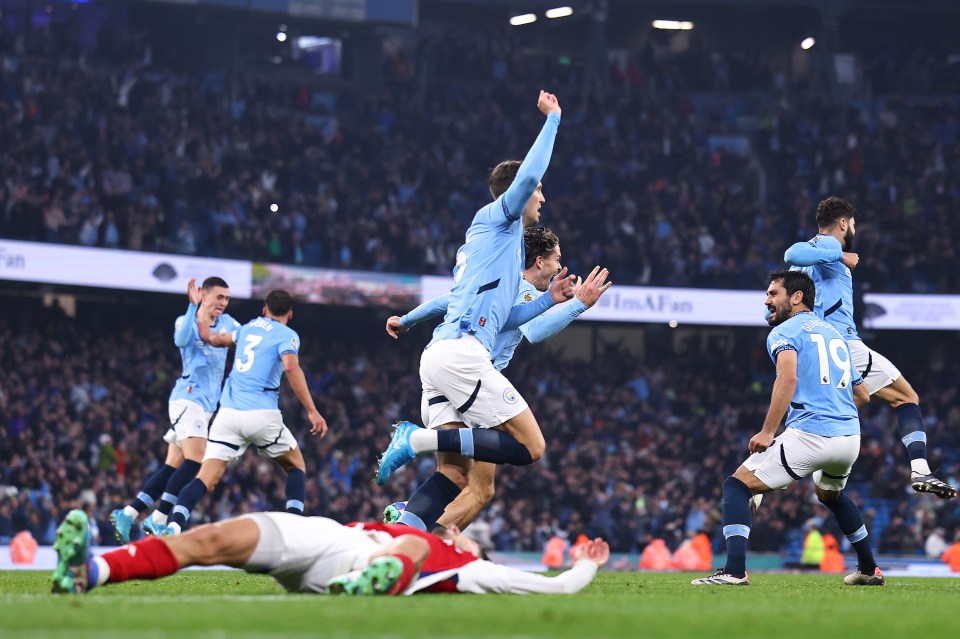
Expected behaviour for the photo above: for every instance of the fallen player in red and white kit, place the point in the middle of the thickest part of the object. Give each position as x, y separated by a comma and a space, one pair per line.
314, 554
454, 565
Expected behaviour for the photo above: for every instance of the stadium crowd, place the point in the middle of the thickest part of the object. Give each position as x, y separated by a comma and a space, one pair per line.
690, 169
637, 450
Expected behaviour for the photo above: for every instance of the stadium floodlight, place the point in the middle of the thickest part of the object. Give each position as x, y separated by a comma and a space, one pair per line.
807, 44
526, 18
559, 12
672, 25
312, 42
281, 36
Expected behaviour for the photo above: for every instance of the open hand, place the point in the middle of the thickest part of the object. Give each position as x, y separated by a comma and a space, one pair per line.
597, 551
590, 290
194, 292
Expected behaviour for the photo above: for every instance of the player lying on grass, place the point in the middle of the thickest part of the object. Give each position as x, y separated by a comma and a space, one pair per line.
315, 554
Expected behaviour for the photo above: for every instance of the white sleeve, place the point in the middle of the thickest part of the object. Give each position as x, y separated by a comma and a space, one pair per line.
479, 577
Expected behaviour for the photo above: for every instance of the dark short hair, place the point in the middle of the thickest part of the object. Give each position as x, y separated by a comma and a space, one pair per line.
833, 209
538, 241
212, 282
502, 176
795, 281
279, 302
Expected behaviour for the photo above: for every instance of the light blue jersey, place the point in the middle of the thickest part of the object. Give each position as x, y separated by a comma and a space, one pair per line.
254, 382
507, 341
823, 401
485, 280
203, 364
820, 259
535, 330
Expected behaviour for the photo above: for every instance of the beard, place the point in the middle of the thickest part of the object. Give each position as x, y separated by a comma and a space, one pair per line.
848, 240
781, 314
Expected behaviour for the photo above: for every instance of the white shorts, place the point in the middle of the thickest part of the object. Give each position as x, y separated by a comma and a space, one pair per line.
233, 430
878, 371
304, 553
187, 419
796, 454
460, 384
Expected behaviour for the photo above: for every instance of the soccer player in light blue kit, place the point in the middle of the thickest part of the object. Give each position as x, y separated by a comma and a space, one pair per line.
815, 387
542, 264
828, 260
470, 410
192, 403
249, 410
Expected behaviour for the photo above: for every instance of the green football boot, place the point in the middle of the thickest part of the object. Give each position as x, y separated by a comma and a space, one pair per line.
73, 551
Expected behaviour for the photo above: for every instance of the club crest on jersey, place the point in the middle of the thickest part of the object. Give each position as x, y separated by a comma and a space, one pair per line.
528, 297
510, 396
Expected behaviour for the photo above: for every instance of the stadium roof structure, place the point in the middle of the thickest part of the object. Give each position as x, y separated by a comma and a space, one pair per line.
910, 5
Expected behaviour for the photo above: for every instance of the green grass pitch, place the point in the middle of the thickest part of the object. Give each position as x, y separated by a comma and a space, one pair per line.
234, 605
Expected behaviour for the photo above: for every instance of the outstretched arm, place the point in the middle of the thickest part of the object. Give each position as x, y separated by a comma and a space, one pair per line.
546, 326
481, 577
586, 295
538, 158
428, 310
561, 289
810, 253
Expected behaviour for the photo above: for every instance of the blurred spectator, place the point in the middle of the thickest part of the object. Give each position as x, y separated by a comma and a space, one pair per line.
935, 545
699, 162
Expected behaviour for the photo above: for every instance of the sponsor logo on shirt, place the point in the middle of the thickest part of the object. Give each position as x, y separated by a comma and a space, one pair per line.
780, 343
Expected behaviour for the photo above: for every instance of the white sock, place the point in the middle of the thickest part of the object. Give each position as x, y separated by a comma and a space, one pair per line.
920, 466
423, 440
175, 527
103, 570
130, 511
158, 517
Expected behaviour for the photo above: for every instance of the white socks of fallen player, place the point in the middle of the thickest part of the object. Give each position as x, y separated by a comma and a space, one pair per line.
103, 571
